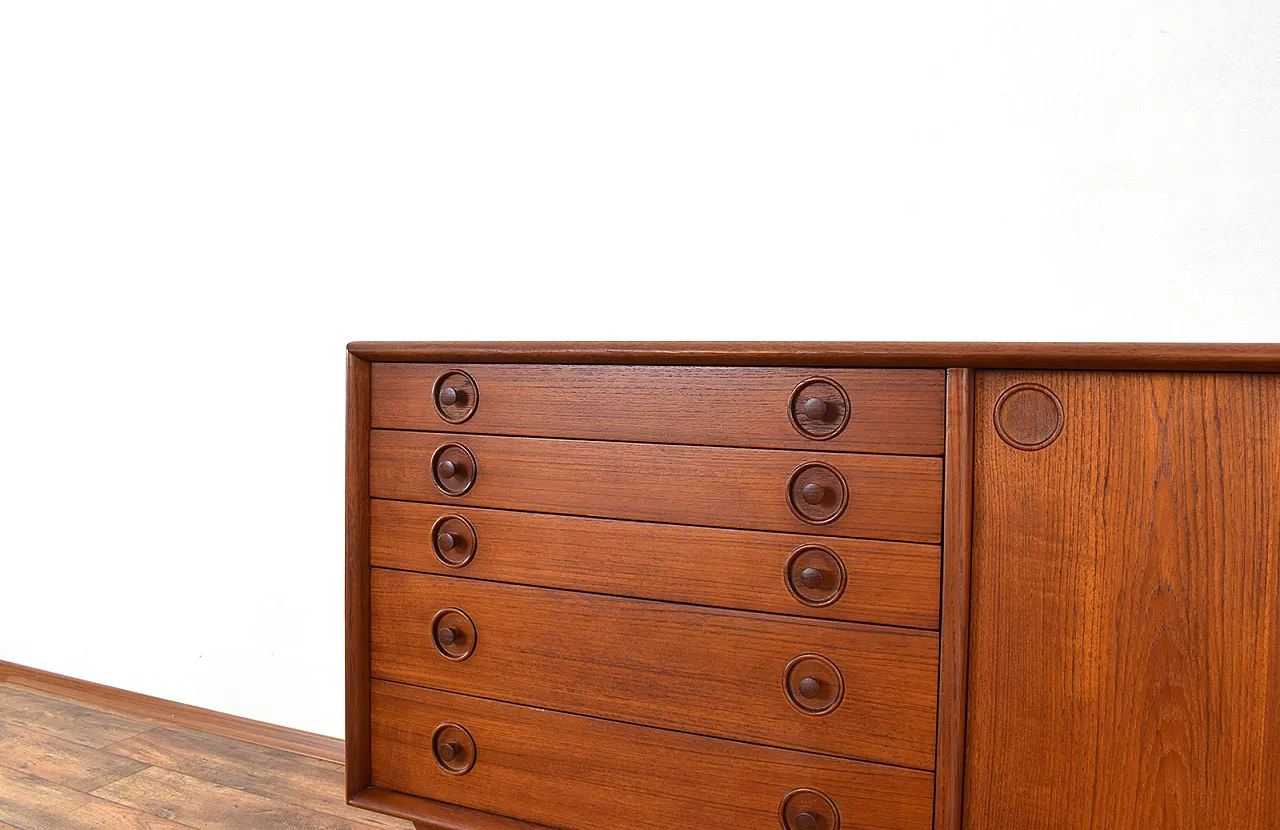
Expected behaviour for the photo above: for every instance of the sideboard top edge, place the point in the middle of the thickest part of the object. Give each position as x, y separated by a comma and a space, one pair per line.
1203, 357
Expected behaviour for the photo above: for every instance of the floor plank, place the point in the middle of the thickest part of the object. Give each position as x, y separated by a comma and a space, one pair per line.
31, 803
70, 765
209, 806
60, 761
65, 719
99, 814
272, 773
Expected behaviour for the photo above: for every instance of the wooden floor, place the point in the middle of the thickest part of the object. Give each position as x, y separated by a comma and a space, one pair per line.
68, 765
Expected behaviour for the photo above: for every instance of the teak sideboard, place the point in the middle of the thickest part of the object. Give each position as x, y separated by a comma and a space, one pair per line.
814, 586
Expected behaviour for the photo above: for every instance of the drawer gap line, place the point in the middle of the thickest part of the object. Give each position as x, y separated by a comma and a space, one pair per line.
753, 448
802, 532
691, 605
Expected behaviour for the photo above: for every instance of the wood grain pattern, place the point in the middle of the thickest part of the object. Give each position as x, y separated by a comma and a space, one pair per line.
53, 783
435, 815
580, 773
196, 802
61, 761
697, 670
891, 496
271, 773
890, 583
161, 711
65, 720
954, 656
1125, 651
1203, 357
31, 803
891, 410
357, 576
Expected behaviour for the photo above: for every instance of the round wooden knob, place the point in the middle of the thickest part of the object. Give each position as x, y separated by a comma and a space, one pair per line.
455, 396
817, 493
813, 684
819, 408
815, 408
807, 809
454, 540
454, 634
816, 575
454, 748
454, 469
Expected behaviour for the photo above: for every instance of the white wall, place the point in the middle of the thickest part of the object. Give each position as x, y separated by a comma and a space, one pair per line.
200, 204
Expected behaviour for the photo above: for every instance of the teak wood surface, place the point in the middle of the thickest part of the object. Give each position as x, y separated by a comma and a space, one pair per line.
896, 411
1157, 707
890, 583
953, 664
895, 497
579, 773
357, 576
1192, 357
692, 669
1125, 652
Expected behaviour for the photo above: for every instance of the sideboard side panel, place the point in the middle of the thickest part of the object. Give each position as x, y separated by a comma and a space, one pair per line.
358, 766
1125, 610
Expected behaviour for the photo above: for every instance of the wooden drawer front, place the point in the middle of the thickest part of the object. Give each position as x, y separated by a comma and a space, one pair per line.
890, 583
698, 670
895, 497
888, 410
580, 773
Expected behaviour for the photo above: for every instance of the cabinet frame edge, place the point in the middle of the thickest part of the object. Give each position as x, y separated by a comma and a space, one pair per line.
953, 665
359, 767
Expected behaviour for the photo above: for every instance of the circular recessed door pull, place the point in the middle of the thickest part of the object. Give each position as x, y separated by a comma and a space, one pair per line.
815, 575
454, 540
454, 469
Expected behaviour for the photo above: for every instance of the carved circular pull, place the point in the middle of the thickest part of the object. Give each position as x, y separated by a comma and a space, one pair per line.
1028, 416
819, 408
813, 684
816, 575
455, 396
807, 809
454, 469
454, 634
454, 540
454, 749
817, 493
